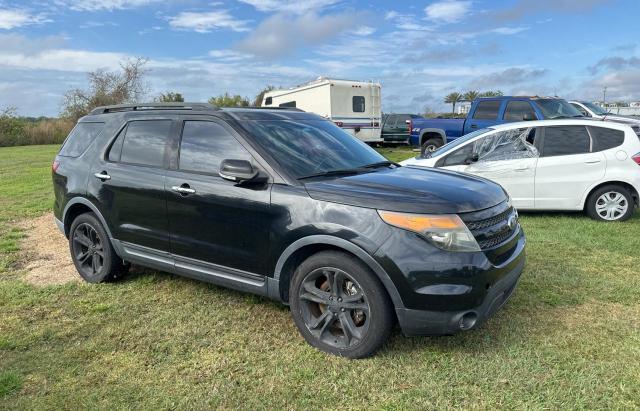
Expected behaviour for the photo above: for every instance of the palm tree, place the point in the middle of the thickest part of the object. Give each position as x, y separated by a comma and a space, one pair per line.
453, 98
471, 95
491, 93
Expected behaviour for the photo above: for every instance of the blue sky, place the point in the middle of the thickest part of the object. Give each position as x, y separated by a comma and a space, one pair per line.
418, 50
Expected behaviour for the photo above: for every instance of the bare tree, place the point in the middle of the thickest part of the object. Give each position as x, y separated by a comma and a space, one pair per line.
170, 97
106, 88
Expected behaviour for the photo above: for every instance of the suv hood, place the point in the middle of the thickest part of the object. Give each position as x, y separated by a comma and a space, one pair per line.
410, 190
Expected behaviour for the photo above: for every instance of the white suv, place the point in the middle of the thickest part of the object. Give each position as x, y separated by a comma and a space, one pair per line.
552, 164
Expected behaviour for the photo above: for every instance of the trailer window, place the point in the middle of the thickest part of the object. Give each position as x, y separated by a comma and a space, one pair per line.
291, 104
358, 104
268, 101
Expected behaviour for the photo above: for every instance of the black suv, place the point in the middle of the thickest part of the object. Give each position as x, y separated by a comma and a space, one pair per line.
284, 204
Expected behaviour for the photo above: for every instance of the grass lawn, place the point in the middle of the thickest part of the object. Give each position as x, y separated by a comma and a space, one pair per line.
569, 337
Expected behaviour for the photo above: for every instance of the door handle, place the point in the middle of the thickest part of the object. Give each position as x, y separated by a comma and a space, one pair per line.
522, 169
596, 161
102, 176
183, 189
474, 126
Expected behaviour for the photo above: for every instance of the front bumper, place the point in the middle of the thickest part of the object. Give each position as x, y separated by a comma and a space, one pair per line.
415, 322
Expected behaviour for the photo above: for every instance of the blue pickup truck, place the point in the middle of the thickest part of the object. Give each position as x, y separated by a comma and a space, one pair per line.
430, 134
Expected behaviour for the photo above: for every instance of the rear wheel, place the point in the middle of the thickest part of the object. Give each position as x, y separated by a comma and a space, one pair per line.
91, 250
610, 203
339, 306
430, 145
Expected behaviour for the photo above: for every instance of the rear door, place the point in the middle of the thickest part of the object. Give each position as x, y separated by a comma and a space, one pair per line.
129, 183
567, 168
485, 114
220, 223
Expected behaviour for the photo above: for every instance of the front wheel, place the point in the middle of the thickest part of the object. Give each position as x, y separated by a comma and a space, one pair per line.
610, 203
430, 145
339, 306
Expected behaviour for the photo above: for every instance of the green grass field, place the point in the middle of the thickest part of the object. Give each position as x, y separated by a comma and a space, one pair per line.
569, 338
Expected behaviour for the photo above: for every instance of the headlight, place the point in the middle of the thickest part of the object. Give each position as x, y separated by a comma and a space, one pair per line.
446, 232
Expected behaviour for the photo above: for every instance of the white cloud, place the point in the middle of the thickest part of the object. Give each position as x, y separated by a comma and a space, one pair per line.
205, 22
279, 35
289, 6
509, 30
103, 5
364, 31
448, 11
228, 55
11, 19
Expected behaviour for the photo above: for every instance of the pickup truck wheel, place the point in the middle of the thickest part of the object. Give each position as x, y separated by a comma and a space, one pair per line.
430, 145
339, 306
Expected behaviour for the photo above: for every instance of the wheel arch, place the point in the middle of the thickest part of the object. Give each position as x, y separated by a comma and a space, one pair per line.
428, 133
628, 186
77, 206
303, 248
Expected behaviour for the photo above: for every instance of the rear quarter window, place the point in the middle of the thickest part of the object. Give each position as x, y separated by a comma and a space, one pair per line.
80, 139
606, 138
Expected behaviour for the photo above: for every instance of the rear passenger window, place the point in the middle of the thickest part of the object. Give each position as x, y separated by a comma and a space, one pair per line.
358, 104
606, 138
519, 111
80, 138
205, 144
565, 140
487, 110
145, 142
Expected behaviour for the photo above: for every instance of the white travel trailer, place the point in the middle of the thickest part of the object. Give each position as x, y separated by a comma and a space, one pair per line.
352, 105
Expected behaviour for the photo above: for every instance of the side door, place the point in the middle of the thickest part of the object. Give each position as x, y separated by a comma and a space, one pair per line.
509, 158
567, 167
484, 115
129, 183
506, 157
219, 223
388, 127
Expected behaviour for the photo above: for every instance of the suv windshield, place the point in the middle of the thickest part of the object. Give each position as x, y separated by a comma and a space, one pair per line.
557, 108
312, 147
597, 110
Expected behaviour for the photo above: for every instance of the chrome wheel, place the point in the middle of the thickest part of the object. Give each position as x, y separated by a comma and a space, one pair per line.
334, 308
611, 205
87, 250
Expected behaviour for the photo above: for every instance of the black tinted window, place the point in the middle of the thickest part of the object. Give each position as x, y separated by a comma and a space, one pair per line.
205, 144
458, 157
80, 138
487, 110
268, 101
606, 138
358, 104
145, 142
116, 147
290, 104
518, 111
565, 140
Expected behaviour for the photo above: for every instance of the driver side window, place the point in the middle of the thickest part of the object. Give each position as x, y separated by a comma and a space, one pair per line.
507, 145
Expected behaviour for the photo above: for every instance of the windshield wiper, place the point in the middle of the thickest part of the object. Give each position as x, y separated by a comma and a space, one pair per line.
345, 172
382, 164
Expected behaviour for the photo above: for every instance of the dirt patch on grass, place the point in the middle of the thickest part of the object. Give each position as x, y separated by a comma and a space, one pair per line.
46, 253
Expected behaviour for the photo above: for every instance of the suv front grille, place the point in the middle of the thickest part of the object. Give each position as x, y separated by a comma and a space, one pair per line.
491, 227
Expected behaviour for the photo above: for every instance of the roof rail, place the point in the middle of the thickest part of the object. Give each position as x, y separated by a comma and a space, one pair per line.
153, 106
270, 108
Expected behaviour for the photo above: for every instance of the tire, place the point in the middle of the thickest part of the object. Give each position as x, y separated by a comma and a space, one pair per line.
431, 144
353, 321
92, 252
610, 203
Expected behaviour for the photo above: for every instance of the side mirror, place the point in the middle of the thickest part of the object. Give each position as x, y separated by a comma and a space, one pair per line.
238, 171
528, 117
473, 158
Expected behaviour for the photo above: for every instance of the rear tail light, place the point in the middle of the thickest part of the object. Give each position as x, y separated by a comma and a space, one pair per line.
54, 166
339, 123
410, 123
636, 158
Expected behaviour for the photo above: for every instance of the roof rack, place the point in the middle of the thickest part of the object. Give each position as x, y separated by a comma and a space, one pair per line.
153, 106
270, 108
